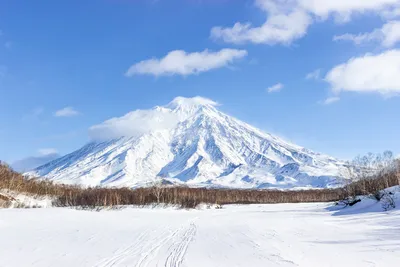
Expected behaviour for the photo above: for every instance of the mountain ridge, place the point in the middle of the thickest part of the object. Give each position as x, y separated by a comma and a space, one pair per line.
189, 141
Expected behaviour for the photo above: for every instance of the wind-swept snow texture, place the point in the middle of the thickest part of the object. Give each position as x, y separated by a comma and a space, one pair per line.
284, 235
190, 141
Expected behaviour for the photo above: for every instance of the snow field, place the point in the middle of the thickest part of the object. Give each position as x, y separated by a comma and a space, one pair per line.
237, 235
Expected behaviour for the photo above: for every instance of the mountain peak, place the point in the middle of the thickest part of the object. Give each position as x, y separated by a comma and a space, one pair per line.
191, 102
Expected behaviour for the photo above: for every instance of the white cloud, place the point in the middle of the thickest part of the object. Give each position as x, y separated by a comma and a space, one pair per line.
346, 8
285, 23
181, 101
139, 122
275, 88
66, 112
357, 38
314, 75
182, 63
289, 20
330, 100
368, 73
47, 151
134, 123
388, 35
391, 13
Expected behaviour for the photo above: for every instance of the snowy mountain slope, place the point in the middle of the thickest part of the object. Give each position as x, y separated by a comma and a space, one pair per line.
190, 141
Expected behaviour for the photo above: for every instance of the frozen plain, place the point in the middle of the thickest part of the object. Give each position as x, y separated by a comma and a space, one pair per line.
237, 235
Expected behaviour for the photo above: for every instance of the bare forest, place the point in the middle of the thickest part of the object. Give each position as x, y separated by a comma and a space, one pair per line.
369, 175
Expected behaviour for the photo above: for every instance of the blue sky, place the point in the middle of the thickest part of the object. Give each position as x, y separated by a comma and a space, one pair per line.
64, 64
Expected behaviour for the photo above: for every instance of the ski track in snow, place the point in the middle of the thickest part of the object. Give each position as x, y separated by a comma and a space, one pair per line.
147, 253
177, 254
120, 255
152, 252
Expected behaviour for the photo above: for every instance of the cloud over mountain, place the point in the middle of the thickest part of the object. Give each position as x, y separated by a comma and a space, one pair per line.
139, 122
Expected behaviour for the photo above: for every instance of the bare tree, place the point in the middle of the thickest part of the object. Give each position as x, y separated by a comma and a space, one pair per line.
397, 170
375, 172
158, 189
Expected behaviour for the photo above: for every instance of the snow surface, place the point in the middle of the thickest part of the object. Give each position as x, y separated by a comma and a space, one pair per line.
19, 200
190, 141
244, 235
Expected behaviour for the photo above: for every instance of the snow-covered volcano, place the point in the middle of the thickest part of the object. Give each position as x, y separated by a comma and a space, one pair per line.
190, 141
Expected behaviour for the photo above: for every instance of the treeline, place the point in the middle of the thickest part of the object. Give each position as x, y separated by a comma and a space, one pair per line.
65, 196
374, 184
16, 182
190, 197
